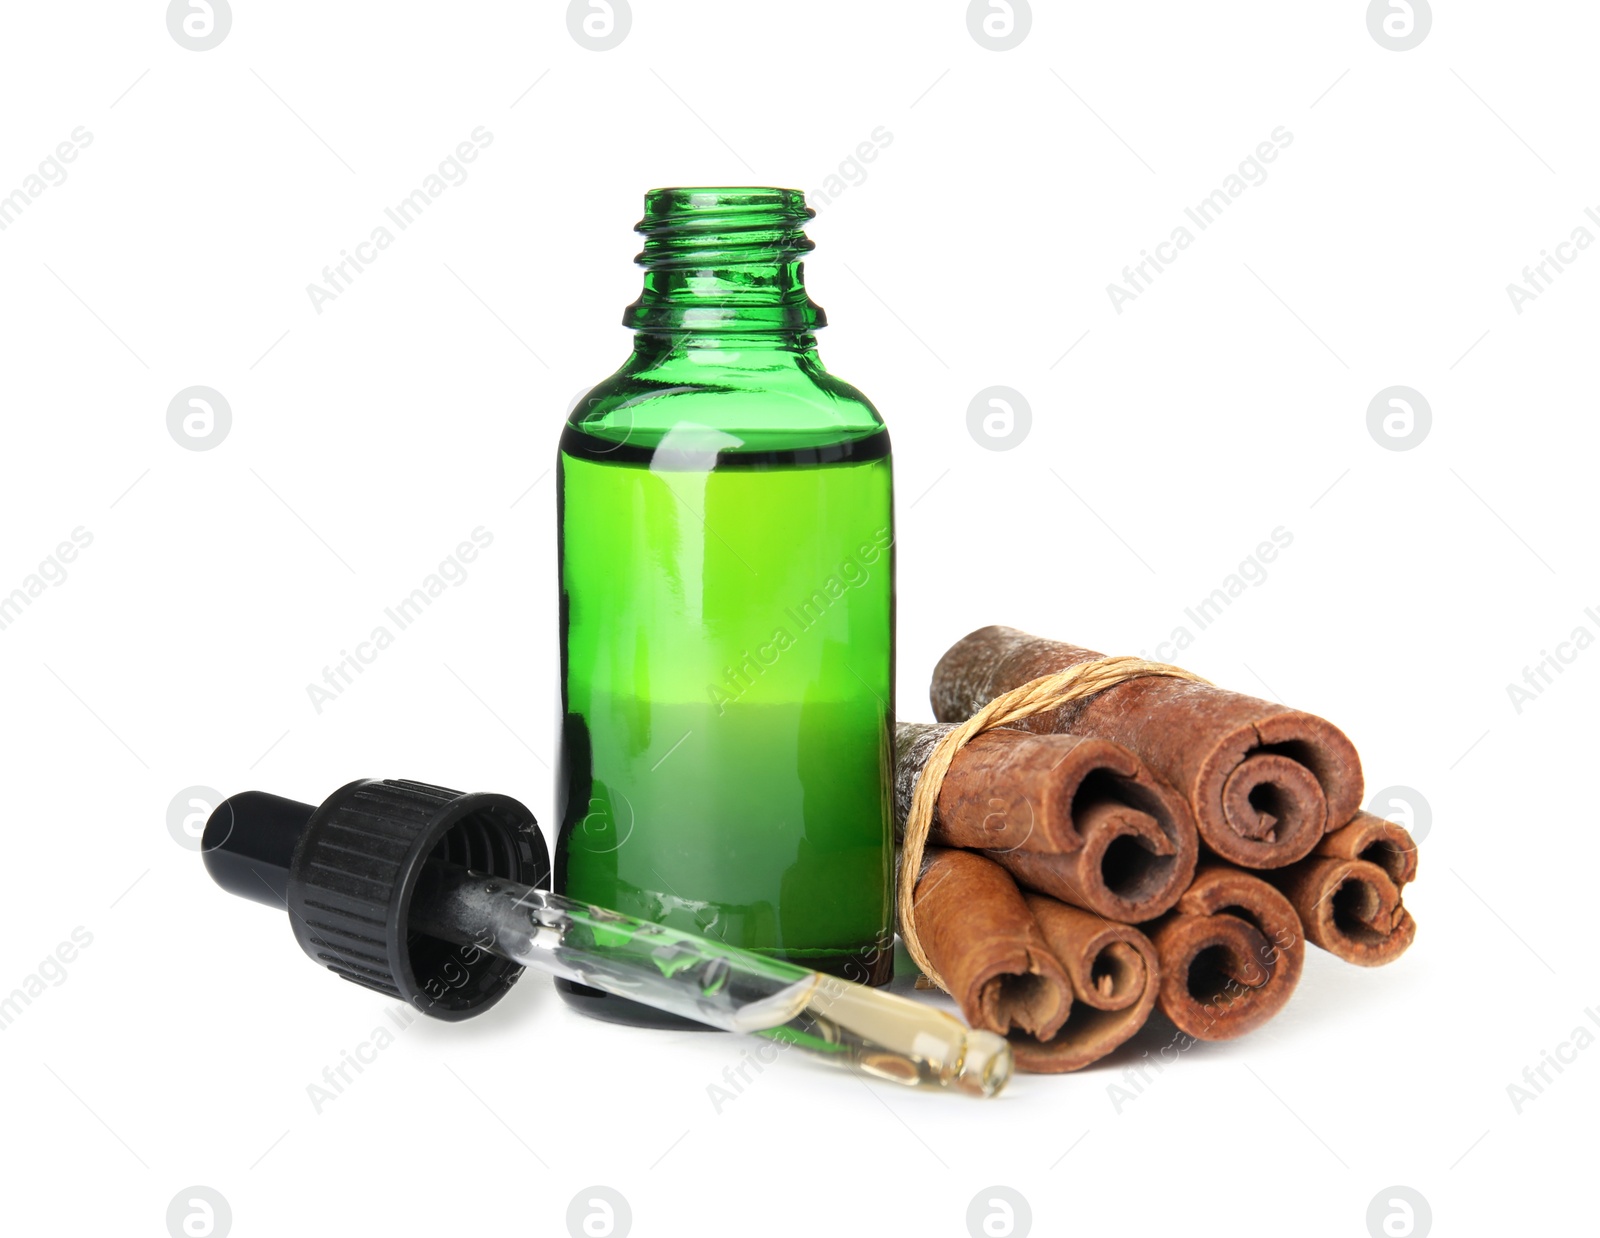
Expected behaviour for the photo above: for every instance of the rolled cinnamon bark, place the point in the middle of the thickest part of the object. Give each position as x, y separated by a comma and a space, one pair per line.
977, 930
1347, 892
1377, 841
1115, 979
1065, 986
1230, 954
1263, 781
1080, 819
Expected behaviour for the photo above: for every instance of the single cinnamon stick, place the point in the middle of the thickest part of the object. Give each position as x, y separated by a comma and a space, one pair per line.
1115, 980
1347, 892
1263, 781
977, 930
1064, 985
1230, 954
1080, 819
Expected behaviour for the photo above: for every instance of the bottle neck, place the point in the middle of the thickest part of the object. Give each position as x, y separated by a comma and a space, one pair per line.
765, 350
724, 274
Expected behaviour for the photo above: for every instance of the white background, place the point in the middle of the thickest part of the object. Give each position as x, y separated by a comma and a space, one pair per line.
1167, 441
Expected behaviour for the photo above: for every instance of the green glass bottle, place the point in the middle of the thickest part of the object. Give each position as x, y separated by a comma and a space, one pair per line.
727, 610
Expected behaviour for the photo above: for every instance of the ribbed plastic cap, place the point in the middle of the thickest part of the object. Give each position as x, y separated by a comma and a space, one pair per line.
347, 871
356, 867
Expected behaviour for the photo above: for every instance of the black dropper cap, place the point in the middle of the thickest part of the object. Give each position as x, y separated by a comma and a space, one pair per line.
346, 873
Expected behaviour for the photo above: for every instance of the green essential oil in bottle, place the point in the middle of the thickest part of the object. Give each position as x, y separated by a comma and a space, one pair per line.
727, 611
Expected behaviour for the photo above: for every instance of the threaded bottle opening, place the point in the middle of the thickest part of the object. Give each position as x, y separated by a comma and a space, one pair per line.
716, 226
724, 261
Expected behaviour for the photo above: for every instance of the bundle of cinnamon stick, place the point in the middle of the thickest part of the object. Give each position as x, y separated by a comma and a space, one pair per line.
1162, 842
